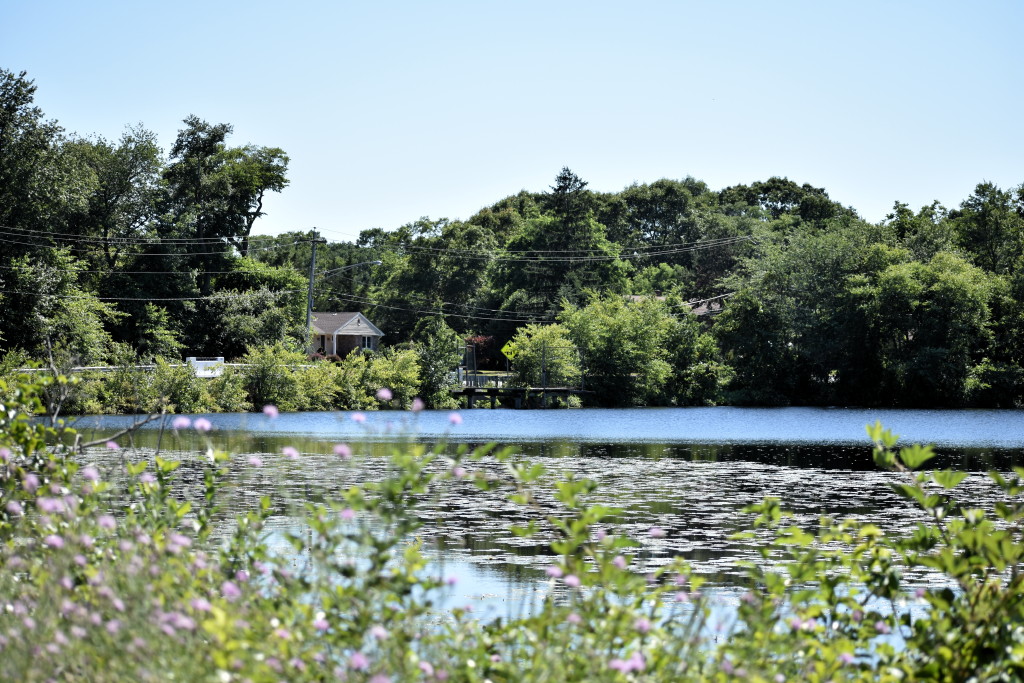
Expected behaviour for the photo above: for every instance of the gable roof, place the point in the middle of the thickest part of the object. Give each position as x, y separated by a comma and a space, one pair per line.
344, 323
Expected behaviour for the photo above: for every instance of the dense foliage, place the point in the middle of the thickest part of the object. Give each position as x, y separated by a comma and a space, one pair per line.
130, 571
671, 292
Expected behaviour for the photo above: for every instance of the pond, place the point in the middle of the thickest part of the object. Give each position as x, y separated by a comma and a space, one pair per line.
688, 471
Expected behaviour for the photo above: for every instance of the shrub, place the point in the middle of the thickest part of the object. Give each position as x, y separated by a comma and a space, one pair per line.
115, 576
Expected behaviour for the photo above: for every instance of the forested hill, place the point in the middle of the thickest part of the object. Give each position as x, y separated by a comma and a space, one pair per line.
111, 249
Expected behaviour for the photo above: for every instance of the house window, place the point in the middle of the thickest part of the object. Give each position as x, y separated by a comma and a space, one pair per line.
368, 343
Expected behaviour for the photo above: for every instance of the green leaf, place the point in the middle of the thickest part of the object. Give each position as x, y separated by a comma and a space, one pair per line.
916, 455
948, 479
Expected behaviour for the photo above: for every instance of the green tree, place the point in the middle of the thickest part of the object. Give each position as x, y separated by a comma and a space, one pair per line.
439, 349
545, 356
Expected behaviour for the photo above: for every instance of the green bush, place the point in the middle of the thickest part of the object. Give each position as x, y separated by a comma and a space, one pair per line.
270, 378
113, 576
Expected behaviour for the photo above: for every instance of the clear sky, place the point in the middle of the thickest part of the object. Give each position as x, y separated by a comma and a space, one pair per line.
395, 110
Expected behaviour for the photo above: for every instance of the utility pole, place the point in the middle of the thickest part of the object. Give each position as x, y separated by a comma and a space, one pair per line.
317, 239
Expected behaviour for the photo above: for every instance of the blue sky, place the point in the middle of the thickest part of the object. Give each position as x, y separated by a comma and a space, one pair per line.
395, 110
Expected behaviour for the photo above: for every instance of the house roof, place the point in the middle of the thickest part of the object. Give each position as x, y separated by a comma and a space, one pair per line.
325, 322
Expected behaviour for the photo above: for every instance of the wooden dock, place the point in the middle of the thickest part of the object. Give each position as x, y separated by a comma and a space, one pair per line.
518, 395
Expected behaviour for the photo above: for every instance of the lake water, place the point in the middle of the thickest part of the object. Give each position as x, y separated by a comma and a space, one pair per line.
686, 470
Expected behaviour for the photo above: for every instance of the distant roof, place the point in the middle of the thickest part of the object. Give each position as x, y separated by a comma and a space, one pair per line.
331, 323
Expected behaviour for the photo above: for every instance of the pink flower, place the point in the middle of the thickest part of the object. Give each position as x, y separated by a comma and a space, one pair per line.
5, 455
321, 624
574, 618
379, 632
343, 451
384, 394
230, 591
459, 472
846, 658
452, 580
380, 678
202, 425
30, 482
290, 452
147, 478
242, 576
106, 522
417, 405
181, 422
255, 461
90, 473
348, 514
358, 418
14, 508
619, 562
634, 663
572, 581
201, 605
112, 445
656, 532
642, 625
882, 627
54, 541
554, 572
270, 411
455, 418
359, 661
427, 668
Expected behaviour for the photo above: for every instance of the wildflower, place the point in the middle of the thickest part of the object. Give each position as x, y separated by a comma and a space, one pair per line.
348, 514
427, 668
270, 411
379, 632
920, 593
574, 619
201, 605
857, 615
656, 532
642, 625
118, 604
54, 541
846, 658
5, 455
882, 627
572, 581
30, 482
202, 425
417, 405
359, 661
90, 473
634, 663
106, 522
283, 634
320, 624
113, 626
358, 418
242, 576
181, 422
78, 632
290, 452
380, 678
297, 664
619, 562
343, 451
14, 508
455, 418
112, 445
554, 572
495, 658
459, 472
452, 580
230, 590
384, 394
255, 461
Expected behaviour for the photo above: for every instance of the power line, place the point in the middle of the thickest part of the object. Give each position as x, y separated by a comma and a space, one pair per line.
122, 240
209, 297
172, 253
367, 302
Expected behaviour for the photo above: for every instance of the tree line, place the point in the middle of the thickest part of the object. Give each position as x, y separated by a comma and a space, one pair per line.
114, 247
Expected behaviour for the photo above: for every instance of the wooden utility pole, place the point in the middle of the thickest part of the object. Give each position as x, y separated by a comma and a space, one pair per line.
317, 239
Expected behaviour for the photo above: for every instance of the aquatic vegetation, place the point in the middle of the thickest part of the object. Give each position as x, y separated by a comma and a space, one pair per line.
122, 573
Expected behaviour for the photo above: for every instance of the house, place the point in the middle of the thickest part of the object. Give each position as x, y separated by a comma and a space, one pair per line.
340, 333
